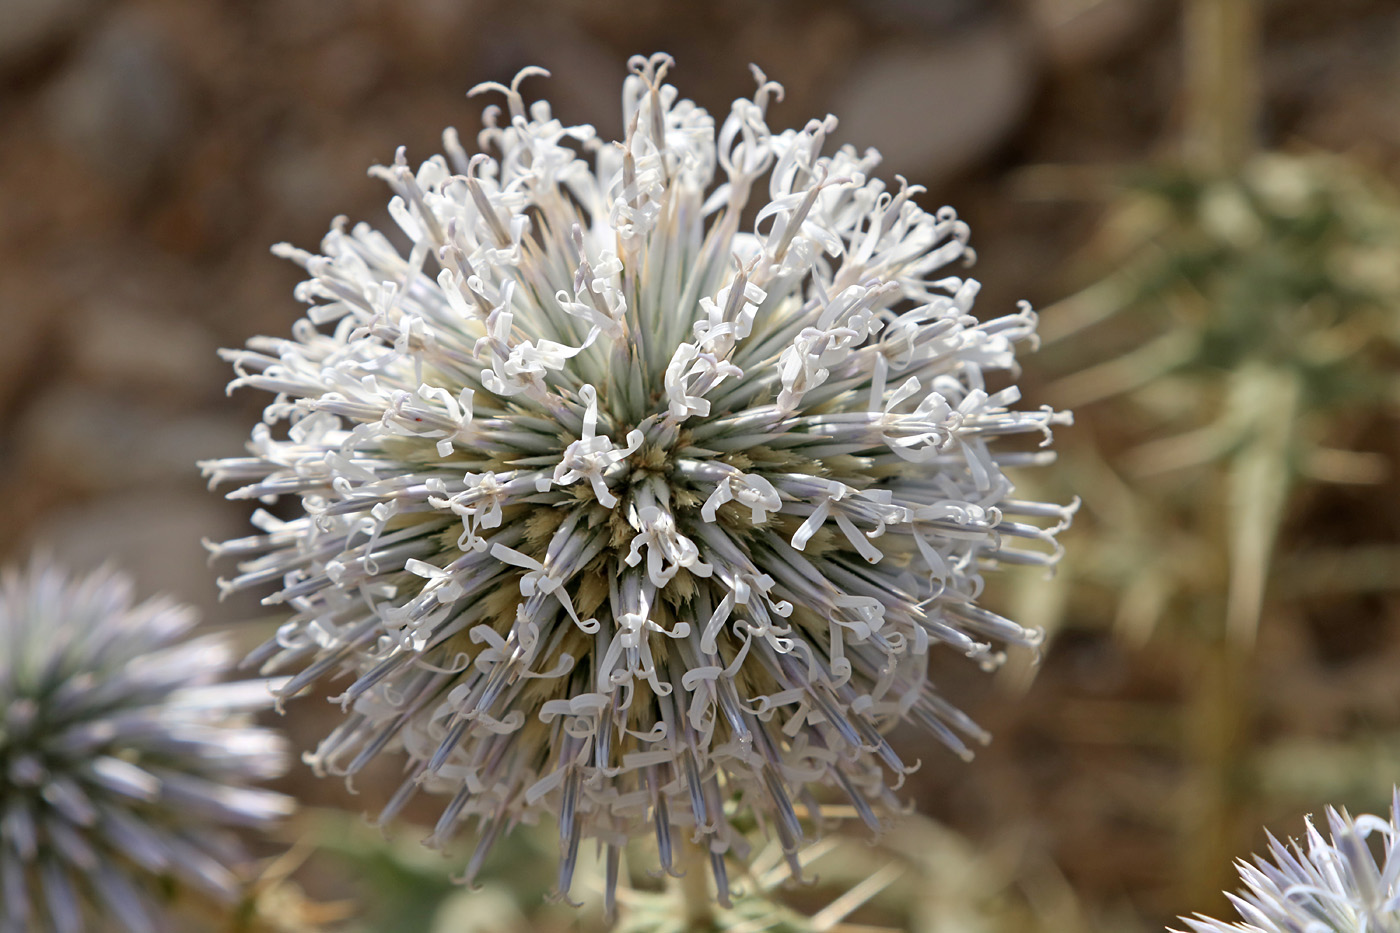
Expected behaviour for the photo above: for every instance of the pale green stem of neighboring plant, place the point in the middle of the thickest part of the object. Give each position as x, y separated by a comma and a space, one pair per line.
1129, 371
1222, 86
699, 903
1268, 400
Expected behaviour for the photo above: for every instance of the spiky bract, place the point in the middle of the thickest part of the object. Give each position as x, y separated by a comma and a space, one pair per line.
1333, 885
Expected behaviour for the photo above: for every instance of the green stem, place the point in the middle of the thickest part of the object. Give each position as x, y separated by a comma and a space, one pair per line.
1222, 89
1216, 733
698, 903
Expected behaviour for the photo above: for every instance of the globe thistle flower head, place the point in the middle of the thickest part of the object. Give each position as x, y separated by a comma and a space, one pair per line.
622, 509
124, 760
1334, 885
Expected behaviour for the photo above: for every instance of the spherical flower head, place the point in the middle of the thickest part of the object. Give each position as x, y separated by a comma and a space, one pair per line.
636, 490
1335, 885
124, 759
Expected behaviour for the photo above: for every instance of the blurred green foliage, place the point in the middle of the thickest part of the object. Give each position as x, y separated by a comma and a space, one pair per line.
918, 877
1252, 323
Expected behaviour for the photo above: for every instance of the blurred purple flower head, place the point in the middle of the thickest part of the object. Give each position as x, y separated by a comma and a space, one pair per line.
123, 758
636, 490
1335, 885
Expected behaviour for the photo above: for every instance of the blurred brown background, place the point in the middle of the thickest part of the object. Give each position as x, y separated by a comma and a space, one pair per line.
152, 150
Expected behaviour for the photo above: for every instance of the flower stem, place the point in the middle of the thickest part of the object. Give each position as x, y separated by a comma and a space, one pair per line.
1222, 84
695, 888
1213, 795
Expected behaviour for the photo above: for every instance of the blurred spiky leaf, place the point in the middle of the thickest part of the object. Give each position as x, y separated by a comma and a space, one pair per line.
1251, 321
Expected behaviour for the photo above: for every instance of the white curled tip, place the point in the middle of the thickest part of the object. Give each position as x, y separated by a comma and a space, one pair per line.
665, 543
287, 251
689, 376
748, 489
512, 93
765, 87
595, 299
651, 69
589, 395
592, 455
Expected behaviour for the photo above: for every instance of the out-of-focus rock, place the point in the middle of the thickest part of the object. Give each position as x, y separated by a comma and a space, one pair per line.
927, 16
85, 441
1342, 82
29, 28
933, 107
299, 22
1075, 33
117, 347
122, 104
300, 179
154, 534
27, 327
434, 29
343, 71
